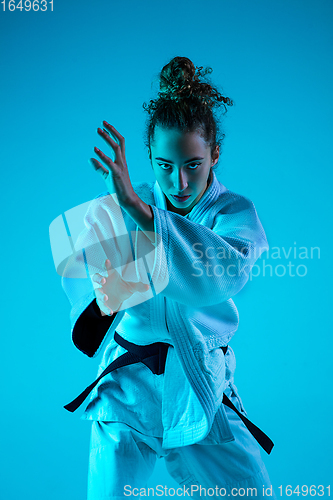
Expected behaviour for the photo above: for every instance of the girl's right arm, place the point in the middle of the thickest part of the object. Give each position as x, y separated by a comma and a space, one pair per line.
95, 290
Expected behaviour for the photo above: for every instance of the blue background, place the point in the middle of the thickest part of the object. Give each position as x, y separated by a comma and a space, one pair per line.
65, 71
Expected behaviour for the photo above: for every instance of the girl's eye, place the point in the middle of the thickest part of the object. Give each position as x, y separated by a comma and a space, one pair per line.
191, 166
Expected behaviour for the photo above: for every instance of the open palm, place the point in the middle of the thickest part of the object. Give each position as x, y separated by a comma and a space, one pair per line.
114, 290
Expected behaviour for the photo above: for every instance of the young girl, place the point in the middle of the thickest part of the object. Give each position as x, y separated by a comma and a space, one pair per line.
153, 284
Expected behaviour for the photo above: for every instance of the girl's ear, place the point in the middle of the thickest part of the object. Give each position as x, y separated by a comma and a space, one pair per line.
215, 154
149, 154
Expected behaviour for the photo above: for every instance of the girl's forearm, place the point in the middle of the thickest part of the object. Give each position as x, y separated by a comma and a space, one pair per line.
142, 214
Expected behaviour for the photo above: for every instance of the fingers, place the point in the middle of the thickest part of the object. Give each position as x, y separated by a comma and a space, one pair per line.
137, 287
118, 147
105, 311
105, 158
101, 299
109, 313
98, 278
99, 167
109, 140
115, 132
107, 264
101, 295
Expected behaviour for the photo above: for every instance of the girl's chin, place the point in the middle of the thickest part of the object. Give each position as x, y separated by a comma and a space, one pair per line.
171, 204
178, 203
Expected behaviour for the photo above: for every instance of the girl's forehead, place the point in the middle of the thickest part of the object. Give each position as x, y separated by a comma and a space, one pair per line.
162, 132
174, 139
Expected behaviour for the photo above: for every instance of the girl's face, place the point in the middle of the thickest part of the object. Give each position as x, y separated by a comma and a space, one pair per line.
181, 162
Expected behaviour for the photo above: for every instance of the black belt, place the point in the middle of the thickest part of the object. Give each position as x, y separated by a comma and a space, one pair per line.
154, 357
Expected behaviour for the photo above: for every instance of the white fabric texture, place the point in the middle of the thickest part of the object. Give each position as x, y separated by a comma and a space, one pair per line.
122, 459
194, 311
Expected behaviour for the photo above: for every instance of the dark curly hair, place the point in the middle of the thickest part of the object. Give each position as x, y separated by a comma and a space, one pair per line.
185, 102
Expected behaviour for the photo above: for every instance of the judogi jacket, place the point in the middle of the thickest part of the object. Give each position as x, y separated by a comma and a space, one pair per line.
195, 266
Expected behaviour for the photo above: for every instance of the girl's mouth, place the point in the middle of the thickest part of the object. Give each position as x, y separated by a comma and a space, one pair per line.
180, 198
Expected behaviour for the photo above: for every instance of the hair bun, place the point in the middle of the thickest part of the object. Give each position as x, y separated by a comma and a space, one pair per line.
181, 79
178, 73
181, 82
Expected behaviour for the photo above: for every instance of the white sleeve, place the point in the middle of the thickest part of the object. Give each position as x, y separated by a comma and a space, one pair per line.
106, 235
208, 266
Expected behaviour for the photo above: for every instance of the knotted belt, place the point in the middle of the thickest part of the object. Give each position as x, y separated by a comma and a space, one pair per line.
154, 357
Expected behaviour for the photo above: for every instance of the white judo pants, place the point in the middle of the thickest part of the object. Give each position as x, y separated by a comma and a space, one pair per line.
122, 460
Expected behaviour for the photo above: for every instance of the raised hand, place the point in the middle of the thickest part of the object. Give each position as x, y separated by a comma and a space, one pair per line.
116, 176
115, 173
114, 290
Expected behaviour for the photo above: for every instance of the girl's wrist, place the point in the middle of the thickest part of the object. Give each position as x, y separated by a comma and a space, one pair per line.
142, 214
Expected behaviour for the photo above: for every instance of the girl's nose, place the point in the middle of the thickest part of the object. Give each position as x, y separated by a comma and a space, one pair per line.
180, 181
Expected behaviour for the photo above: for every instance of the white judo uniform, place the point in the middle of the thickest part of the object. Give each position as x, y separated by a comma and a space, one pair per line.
197, 264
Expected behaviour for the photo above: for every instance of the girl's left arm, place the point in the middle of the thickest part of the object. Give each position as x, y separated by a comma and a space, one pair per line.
206, 266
